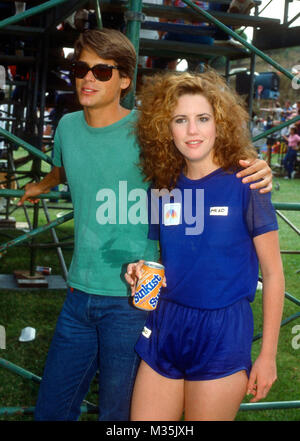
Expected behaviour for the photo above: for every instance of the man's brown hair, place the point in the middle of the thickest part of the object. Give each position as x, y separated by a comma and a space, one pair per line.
109, 44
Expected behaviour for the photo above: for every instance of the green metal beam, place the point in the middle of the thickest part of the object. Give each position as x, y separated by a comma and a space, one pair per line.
289, 122
98, 14
292, 299
9, 193
179, 49
30, 12
229, 31
18, 370
283, 323
86, 407
271, 405
30, 148
23, 31
6, 411
134, 17
290, 206
29, 235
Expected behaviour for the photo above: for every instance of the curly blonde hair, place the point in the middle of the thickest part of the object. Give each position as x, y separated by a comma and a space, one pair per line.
160, 160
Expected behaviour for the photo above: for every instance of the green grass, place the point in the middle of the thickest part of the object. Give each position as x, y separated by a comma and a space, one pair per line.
40, 309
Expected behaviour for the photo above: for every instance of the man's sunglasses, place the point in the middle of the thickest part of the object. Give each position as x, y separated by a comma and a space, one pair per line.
102, 72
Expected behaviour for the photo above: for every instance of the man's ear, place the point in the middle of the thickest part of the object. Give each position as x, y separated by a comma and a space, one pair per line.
125, 82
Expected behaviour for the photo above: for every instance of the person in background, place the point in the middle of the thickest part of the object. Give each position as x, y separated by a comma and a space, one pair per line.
258, 130
291, 154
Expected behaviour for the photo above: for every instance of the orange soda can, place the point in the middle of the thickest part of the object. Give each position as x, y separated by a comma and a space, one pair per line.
148, 286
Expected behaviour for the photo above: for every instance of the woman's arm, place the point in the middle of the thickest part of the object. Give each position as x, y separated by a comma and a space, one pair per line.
264, 373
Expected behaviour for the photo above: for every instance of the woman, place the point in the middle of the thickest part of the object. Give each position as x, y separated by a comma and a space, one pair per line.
196, 353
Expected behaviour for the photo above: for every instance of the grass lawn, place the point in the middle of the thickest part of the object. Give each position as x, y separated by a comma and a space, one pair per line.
40, 309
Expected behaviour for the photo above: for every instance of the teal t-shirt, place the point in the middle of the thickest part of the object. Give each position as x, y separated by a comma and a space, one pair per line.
109, 199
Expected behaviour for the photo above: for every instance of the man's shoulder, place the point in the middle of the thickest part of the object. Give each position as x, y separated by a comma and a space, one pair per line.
70, 118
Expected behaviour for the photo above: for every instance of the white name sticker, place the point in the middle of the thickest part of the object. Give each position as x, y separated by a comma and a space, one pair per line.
218, 211
146, 332
172, 214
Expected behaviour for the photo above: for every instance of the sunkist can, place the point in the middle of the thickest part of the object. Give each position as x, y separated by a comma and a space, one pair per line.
149, 285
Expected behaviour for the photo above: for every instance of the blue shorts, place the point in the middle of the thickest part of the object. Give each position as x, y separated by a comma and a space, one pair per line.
180, 342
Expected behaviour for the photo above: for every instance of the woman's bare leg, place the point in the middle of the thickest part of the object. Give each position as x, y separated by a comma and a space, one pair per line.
215, 400
156, 398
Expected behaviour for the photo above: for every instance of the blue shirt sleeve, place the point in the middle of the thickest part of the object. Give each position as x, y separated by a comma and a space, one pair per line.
260, 213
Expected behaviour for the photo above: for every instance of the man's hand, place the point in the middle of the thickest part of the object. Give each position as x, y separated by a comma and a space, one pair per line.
255, 170
51, 180
31, 191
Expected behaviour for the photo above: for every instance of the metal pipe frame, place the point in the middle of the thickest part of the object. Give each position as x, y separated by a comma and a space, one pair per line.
98, 14
32, 233
30, 12
30, 148
133, 15
86, 407
233, 34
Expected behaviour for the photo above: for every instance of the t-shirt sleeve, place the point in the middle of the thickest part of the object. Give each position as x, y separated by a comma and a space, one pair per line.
57, 156
260, 213
153, 214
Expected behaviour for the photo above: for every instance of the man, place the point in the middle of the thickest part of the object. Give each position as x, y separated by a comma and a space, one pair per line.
97, 150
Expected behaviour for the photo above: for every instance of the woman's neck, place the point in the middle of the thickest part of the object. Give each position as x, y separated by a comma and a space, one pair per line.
196, 171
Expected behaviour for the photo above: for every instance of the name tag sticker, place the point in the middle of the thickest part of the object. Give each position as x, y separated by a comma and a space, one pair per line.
218, 211
146, 332
172, 214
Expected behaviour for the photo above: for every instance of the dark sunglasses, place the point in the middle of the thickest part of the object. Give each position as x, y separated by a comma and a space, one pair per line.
102, 72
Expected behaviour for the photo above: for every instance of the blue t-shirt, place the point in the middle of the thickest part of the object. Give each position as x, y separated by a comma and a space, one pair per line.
206, 236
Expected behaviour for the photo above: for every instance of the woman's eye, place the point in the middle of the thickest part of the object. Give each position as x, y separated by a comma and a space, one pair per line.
203, 118
180, 120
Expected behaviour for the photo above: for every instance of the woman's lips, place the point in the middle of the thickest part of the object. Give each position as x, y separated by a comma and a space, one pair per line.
194, 143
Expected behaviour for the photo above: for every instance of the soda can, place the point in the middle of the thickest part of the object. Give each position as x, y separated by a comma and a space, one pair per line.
148, 286
46, 270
